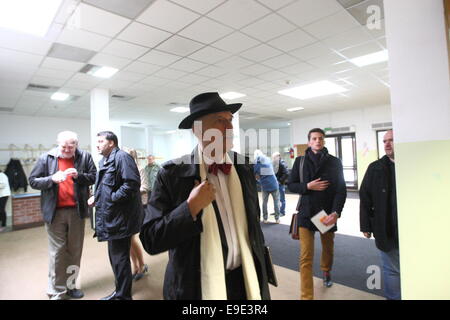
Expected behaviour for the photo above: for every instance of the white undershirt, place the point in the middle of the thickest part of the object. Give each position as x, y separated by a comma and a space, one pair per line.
220, 183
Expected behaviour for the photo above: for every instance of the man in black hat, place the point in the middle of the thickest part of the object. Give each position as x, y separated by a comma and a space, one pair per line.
204, 209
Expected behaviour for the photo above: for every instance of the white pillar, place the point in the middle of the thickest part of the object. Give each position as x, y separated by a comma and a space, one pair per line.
99, 118
417, 41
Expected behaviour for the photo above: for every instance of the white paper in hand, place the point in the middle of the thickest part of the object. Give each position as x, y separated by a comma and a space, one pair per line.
316, 220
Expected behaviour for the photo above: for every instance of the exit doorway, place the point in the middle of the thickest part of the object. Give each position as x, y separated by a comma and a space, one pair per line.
343, 147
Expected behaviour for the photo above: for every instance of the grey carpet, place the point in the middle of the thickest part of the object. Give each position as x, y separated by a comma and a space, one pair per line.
352, 256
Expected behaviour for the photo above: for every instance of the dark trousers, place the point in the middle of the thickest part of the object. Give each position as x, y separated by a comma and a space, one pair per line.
3, 201
119, 256
235, 284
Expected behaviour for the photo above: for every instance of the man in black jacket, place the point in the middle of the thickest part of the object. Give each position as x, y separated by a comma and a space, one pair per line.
119, 211
64, 175
378, 215
323, 188
281, 172
204, 209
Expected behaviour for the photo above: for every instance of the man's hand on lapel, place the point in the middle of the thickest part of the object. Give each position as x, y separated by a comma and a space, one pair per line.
201, 196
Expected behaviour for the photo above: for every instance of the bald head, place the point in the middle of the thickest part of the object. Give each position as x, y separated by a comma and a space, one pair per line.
388, 141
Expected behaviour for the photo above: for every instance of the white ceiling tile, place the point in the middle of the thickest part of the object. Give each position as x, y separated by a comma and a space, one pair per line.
303, 12
361, 50
273, 76
61, 64
332, 25
84, 77
92, 19
124, 49
199, 6
280, 61
292, 40
102, 59
209, 55
268, 28
152, 80
114, 84
180, 46
53, 73
83, 39
159, 58
24, 42
157, 16
349, 38
142, 67
238, 13
144, 35
212, 71
254, 70
11, 58
236, 42
378, 31
298, 68
205, 30
168, 73
312, 51
338, 67
275, 4
128, 76
250, 82
187, 65
234, 63
260, 53
382, 42
81, 85
193, 79
326, 60
73, 91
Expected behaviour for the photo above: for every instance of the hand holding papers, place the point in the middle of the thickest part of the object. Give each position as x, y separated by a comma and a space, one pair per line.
317, 220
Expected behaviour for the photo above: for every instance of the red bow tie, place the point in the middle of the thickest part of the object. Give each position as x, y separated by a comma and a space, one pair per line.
224, 167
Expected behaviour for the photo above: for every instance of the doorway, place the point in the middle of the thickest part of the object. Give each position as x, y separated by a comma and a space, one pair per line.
343, 147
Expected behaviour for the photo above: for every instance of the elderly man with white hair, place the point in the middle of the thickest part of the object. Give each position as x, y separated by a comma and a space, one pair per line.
64, 175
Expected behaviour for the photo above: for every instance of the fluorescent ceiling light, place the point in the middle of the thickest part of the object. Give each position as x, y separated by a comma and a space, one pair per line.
103, 72
315, 89
59, 96
28, 16
294, 109
232, 95
372, 58
180, 109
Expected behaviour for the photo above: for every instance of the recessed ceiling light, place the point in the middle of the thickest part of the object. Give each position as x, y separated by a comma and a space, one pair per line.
294, 109
28, 16
315, 89
59, 96
371, 58
104, 72
180, 109
231, 95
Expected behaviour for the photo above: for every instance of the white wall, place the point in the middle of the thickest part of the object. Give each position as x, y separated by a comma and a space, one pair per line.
133, 138
173, 145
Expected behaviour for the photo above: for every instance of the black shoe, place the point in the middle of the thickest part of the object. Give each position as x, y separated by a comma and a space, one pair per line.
138, 275
327, 279
112, 296
75, 293
282, 214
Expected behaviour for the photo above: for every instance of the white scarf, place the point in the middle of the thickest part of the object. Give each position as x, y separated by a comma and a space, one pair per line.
211, 257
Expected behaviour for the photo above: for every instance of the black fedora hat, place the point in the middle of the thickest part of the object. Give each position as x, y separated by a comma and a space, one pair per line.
206, 103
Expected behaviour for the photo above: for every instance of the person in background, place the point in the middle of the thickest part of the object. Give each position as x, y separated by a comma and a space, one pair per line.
323, 188
5, 192
119, 211
139, 268
281, 172
265, 174
64, 175
378, 215
151, 170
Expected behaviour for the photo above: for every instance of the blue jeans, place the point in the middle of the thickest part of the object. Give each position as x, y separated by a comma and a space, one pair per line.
276, 203
391, 274
281, 188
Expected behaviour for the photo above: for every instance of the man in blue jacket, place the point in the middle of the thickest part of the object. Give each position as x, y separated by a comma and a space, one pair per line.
119, 211
269, 184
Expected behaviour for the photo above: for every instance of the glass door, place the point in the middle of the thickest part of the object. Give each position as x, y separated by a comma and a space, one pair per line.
343, 146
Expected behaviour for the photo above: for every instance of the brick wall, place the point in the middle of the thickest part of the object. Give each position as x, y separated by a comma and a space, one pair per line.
26, 212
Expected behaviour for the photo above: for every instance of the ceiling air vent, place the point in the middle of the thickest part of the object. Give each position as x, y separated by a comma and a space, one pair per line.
42, 88
339, 130
382, 125
2, 109
121, 97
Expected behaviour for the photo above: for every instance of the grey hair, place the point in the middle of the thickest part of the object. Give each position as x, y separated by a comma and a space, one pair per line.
67, 136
